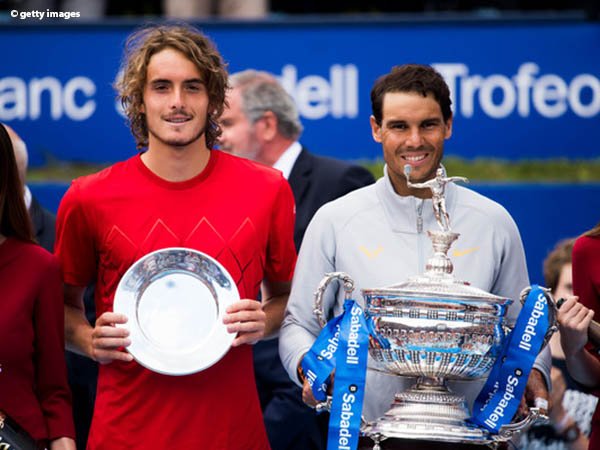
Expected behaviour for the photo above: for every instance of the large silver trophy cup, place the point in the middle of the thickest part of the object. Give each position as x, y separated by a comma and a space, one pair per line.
436, 328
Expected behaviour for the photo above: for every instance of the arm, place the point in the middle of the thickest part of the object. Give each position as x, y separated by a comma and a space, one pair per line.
276, 297
76, 250
511, 280
560, 420
455, 179
253, 320
62, 444
104, 342
300, 326
574, 320
51, 387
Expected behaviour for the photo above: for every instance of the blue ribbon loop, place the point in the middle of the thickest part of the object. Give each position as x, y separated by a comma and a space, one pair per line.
342, 346
499, 399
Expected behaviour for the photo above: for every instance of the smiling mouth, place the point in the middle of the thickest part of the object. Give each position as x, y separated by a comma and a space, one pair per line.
178, 119
414, 158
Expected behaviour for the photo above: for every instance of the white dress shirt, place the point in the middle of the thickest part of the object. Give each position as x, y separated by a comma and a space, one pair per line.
287, 159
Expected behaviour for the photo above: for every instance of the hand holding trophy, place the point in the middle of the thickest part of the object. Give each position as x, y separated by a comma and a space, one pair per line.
435, 328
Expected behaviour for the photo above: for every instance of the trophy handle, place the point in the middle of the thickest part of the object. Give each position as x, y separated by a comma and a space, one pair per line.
326, 406
329, 277
552, 312
508, 430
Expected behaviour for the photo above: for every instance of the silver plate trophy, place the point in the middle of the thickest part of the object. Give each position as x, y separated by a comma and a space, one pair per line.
437, 328
175, 300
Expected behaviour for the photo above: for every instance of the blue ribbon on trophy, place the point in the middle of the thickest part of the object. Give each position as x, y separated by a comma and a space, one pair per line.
499, 399
342, 345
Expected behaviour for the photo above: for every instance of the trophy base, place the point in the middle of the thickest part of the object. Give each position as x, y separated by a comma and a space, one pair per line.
428, 412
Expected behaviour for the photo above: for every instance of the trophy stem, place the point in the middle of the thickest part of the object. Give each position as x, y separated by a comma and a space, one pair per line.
437, 384
427, 411
440, 265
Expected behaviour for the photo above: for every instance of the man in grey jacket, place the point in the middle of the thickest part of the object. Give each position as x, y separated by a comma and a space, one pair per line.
377, 234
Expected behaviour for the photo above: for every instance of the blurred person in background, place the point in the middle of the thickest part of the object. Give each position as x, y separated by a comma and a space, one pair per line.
571, 408
34, 395
42, 219
88, 9
82, 372
261, 123
201, 9
575, 315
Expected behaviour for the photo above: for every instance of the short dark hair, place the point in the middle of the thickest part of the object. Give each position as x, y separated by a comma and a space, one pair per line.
14, 217
554, 262
411, 78
146, 42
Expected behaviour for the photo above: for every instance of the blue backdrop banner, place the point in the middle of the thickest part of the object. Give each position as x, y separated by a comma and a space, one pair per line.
520, 90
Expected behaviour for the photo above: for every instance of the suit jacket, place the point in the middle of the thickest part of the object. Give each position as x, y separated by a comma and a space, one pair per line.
43, 225
290, 424
316, 180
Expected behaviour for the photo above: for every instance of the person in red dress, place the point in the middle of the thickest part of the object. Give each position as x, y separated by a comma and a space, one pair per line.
575, 315
34, 393
179, 192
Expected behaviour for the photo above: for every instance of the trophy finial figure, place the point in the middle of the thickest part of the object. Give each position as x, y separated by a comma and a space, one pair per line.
437, 186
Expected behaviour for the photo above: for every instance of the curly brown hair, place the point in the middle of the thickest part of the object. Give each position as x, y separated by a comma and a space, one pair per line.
594, 231
554, 262
198, 48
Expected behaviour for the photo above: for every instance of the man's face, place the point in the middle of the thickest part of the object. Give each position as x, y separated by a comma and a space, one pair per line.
412, 131
564, 287
239, 135
175, 100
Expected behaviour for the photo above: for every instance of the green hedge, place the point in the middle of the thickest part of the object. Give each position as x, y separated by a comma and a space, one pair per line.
489, 169
479, 169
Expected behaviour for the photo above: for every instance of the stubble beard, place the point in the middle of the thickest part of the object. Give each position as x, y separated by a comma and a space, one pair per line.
178, 143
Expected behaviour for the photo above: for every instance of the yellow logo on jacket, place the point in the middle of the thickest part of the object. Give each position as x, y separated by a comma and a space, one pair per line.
459, 253
371, 254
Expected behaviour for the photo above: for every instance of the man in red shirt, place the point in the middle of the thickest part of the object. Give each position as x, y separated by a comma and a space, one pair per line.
177, 193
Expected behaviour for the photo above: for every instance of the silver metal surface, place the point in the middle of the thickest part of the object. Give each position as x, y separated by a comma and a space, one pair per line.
175, 299
435, 328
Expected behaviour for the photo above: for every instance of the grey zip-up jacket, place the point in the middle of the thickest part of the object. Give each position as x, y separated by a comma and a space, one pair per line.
379, 238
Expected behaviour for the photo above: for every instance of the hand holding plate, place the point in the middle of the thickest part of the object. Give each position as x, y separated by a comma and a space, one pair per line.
247, 319
108, 341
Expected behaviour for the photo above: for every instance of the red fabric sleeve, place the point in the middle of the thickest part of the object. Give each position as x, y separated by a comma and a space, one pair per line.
50, 370
281, 252
586, 272
586, 285
74, 240
586, 280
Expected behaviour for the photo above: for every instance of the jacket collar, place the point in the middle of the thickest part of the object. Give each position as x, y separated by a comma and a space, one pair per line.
402, 211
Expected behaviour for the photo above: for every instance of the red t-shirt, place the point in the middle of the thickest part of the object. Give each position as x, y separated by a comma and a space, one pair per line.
33, 375
586, 284
236, 211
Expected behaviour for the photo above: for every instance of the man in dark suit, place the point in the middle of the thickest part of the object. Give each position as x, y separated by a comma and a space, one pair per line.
83, 372
262, 123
